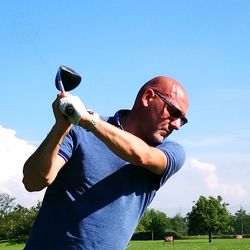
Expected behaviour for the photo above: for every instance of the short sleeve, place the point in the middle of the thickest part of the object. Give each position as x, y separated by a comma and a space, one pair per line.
175, 158
67, 146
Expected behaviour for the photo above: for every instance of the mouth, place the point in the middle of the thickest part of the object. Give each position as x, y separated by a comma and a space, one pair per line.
165, 132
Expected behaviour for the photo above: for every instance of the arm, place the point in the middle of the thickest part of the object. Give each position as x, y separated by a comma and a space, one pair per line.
127, 146
43, 165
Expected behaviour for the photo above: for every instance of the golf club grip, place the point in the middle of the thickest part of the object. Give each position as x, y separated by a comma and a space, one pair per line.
69, 110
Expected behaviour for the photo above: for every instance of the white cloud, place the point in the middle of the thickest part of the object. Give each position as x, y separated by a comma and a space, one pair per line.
14, 152
198, 178
214, 184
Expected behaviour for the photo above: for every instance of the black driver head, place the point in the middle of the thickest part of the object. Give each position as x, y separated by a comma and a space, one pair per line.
68, 77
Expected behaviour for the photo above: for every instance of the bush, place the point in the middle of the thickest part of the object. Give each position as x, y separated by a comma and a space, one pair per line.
142, 236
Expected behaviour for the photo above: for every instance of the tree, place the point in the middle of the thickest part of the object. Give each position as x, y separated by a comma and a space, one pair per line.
21, 222
6, 206
15, 220
155, 222
145, 222
209, 215
179, 224
241, 222
159, 224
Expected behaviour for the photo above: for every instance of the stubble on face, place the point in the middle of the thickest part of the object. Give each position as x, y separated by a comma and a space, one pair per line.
159, 135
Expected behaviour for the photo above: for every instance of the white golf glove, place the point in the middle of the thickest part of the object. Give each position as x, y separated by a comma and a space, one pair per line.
73, 108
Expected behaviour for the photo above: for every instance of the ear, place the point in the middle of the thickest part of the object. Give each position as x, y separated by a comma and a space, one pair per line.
148, 97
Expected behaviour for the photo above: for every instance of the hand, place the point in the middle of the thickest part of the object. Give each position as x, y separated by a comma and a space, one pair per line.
73, 108
62, 123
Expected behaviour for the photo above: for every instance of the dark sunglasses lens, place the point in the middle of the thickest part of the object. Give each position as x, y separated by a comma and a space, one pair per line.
175, 113
184, 120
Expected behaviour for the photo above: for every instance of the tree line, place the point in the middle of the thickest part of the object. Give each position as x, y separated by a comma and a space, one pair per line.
15, 220
208, 216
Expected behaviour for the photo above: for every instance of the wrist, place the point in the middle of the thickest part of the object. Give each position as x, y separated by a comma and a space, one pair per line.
61, 131
57, 135
89, 120
93, 121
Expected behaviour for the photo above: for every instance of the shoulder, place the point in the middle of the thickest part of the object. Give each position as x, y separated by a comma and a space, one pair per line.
174, 152
170, 145
175, 158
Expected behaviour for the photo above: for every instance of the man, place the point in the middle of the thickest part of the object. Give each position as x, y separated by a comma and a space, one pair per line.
103, 173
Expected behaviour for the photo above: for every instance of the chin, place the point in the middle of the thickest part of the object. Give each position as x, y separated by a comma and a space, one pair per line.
157, 139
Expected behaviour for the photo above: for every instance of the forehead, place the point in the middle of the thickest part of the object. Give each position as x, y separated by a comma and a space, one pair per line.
174, 91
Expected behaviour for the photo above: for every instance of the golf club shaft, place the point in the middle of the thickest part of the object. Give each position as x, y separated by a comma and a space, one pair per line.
60, 83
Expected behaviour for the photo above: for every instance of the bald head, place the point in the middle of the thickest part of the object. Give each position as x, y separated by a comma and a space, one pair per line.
160, 107
172, 89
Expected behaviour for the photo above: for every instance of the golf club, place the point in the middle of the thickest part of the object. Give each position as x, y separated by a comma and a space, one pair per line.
66, 80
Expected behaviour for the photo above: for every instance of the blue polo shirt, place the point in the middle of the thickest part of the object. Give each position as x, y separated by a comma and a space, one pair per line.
97, 199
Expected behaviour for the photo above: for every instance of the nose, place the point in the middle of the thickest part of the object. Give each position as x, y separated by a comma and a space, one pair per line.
176, 124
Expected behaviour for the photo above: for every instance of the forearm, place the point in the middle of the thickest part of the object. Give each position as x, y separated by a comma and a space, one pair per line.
41, 169
128, 146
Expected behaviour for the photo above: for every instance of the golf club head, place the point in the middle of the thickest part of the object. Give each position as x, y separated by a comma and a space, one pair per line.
66, 79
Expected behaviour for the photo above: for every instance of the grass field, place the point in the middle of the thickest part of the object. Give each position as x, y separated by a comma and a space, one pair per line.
216, 244
6, 246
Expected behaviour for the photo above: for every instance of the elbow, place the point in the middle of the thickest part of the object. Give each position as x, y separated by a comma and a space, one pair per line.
33, 184
26, 180
28, 185
140, 159
145, 160
36, 178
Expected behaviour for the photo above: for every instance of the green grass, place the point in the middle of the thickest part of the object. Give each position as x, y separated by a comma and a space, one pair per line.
200, 244
6, 246
197, 244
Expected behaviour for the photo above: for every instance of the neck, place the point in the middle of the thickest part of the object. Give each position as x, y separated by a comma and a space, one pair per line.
129, 123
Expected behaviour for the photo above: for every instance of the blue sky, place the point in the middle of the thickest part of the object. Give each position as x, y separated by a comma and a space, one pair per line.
117, 46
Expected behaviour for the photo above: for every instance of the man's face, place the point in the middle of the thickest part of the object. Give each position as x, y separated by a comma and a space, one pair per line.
159, 126
166, 113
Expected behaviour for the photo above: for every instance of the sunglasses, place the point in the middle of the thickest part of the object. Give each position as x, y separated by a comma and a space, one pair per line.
173, 111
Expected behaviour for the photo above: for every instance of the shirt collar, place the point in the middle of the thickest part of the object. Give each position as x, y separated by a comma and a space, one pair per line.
118, 115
